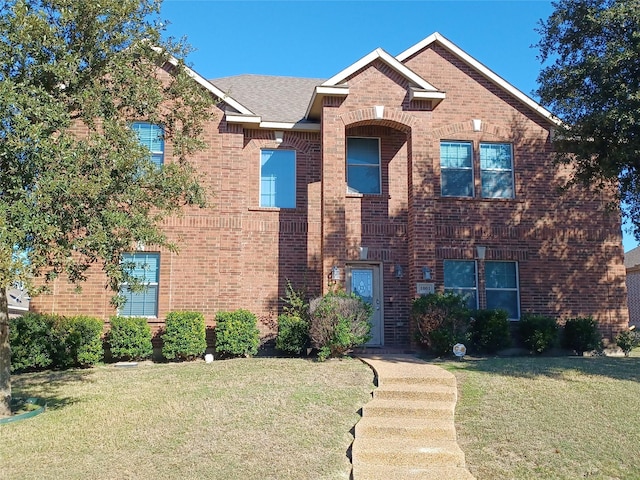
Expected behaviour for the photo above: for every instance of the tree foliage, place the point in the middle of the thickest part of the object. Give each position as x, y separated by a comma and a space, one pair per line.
592, 83
76, 186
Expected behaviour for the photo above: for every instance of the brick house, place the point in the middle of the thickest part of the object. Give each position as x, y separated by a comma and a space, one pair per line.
397, 176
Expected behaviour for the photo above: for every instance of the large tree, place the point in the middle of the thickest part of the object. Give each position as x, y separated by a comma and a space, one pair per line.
76, 186
591, 81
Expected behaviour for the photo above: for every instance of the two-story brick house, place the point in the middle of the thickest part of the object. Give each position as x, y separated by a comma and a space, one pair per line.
397, 176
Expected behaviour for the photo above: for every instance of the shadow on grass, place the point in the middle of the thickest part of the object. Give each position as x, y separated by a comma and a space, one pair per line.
48, 386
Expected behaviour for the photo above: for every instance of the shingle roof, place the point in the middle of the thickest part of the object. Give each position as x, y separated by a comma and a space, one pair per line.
632, 258
275, 99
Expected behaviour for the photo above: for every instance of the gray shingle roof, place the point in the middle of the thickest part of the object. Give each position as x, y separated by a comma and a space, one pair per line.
632, 258
275, 99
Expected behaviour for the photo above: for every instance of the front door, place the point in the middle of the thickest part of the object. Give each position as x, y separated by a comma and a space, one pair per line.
364, 281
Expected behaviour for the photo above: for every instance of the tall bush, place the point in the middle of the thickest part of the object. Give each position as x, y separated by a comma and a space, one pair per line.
237, 333
442, 320
185, 336
293, 334
538, 333
76, 341
581, 335
130, 338
339, 322
30, 340
490, 330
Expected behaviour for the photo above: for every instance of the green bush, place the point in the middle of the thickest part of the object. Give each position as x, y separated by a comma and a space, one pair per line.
627, 340
185, 336
538, 333
237, 333
76, 341
490, 330
442, 321
130, 338
338, 323
581, 335
293, 334
30, 341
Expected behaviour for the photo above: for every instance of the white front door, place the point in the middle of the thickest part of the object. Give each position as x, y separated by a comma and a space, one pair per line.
364, 281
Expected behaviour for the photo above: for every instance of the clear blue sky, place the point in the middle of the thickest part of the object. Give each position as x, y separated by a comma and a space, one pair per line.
320, 38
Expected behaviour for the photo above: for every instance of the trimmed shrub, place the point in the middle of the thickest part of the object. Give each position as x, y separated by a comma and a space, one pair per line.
130, 338
442, 321
185, 336
490, 331
339, 322
627, 340
581, 335
538, 333
30, 340
76, 341
237, 333
293, 334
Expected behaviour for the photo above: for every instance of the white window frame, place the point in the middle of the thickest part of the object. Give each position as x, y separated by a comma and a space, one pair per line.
498, 170
262, 179
378, 166
470, 168
516, 289
154, 153
148, 284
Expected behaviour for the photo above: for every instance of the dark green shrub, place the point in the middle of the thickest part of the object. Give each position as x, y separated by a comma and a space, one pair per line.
581, 335
490, 331
130, 338
338, 323
185, 336
237, 333
538, 333
30, 341
442, 321
293, 334
76, 341
627, 340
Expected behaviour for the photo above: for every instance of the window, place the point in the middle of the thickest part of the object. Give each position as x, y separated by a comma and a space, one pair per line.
496, 170
363, 165
145, 267
501, 280
456, 169
278, 178
460, 278
152, 137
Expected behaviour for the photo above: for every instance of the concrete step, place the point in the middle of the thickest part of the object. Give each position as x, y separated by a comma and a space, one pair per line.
409, 408
412, 391
384, 472
436, 377
381, 428
408, 452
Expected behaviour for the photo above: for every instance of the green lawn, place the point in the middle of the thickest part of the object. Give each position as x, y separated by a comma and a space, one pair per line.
260, 418
549, 418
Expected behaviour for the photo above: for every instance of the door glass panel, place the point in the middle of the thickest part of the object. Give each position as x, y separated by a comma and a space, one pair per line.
362, 284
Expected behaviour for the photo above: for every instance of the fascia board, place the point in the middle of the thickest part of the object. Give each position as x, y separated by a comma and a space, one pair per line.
243, 119
297, 126
322, 91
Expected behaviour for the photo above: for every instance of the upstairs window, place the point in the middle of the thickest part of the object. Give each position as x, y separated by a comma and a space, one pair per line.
496, 167
152, 137
456, 169
363, 165
146, 268
278, 178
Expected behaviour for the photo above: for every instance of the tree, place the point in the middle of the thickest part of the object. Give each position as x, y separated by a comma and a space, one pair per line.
77, 188
592, 83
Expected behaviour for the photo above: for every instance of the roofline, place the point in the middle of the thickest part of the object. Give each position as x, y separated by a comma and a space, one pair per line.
322, 91
255, 121
483, 70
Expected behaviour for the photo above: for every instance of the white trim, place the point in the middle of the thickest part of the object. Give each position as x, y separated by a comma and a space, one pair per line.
322, 91
417, 94
351, 190
244, 119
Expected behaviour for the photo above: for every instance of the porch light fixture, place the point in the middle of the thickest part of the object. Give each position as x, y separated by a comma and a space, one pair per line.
364, 253
481, 252
426, 273
279, 136
477, 125
335, 273
398, 271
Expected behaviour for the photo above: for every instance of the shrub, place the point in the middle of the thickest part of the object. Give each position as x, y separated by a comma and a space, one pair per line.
130, 338
295, 303
581, 334
627, 340
538, 332
293, 334
339, 322
237, 333
76, 341
490, 331
30, 341
442, 321
185, 336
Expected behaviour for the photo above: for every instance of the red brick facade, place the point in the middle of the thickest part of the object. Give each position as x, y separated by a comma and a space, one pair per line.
235, 254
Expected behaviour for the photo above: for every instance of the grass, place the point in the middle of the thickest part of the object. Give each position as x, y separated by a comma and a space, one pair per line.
556, 418
261, 418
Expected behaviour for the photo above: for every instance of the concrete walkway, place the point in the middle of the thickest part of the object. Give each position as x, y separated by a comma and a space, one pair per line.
407, 429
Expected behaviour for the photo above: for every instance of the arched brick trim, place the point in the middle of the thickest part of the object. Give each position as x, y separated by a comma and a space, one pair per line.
487, 129
393, 118
300, 141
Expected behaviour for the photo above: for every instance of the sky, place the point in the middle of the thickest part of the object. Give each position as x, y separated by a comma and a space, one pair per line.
318, 39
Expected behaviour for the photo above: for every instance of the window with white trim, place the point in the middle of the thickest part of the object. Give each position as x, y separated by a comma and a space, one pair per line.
456, 169
496, 170
278, 178
460, 278
501, 284
145, 267
363, 165
152, 137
